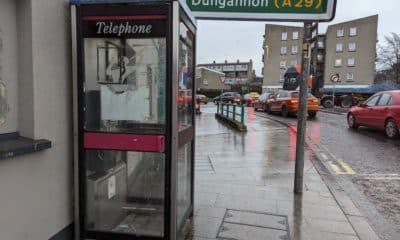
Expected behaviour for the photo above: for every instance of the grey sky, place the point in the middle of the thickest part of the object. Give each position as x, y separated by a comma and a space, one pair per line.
232, 40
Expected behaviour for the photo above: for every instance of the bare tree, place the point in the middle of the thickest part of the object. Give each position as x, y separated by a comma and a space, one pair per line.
389, 56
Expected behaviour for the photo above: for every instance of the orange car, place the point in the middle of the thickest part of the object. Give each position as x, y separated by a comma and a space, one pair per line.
287, 103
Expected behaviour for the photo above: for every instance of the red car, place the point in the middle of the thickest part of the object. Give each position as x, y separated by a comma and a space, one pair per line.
381, 111
264, 99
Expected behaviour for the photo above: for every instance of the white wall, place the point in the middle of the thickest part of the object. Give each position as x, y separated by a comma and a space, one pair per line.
9, 62
36, 190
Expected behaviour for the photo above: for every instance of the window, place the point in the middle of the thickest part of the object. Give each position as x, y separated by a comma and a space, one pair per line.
205, 82
321, 44
283, 50
282, 95
353, 31
350, 77
117, 85
282, 64
184, 188
295, 49
185, 77
350, 62
320, 57
340, 33
338, 62
263, 97
295, 35
339, 47
284, 36
372, 101
297, 95
385, 100
282, 76
352, 47
293, 63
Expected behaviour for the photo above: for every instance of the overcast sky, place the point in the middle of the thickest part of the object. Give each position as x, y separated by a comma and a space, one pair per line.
232, 40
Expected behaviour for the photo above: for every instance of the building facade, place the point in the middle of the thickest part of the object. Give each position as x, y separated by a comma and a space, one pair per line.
210, 80
235, 72
282, 49
351, 51
347, 49
35, 75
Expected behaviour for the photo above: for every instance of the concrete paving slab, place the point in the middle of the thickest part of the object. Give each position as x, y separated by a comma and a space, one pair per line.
244, 232
205, 227
259, 219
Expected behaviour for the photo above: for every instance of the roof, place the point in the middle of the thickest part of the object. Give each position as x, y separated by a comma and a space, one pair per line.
212, 70
297, 26
354, 20
225, 63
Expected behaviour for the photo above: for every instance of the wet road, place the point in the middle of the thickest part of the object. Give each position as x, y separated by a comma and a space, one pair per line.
364, 162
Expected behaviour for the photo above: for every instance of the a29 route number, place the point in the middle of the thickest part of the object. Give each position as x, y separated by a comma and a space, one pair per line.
298, 3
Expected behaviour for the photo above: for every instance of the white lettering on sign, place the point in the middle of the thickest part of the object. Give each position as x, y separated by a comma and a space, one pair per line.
122, 28
231, 3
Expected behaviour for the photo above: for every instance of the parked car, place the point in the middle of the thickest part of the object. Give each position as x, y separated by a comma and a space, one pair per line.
250, 99
200, 98
287, 103
381, 111
228, 97
262, 102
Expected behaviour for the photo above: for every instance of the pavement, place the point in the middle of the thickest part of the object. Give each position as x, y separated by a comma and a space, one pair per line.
363, 162
244, 187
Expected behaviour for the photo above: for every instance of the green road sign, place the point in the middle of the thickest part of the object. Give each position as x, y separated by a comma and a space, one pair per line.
271, 10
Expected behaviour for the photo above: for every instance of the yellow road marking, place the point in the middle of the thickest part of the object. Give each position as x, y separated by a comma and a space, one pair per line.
335, 168
346, 167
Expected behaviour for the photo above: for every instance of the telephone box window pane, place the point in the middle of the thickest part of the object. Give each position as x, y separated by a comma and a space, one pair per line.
185, 78
184, 182
125, 192
125, 84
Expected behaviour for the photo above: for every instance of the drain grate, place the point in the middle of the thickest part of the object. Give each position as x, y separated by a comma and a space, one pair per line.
244, 225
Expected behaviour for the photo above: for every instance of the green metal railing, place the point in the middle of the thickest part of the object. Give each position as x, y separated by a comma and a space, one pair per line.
232, 111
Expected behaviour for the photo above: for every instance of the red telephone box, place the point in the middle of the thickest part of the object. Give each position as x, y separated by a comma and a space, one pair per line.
134, 104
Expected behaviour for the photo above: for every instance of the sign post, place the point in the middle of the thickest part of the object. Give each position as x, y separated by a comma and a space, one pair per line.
335, 78
302, 113
272, 10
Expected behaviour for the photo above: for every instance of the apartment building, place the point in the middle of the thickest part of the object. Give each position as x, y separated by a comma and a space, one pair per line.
282, 49
235, 72
351, 51
348, 49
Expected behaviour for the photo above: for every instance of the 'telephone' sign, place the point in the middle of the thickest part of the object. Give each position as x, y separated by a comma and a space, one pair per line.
290, 10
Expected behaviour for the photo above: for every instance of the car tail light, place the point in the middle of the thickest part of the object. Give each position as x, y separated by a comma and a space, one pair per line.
293, 101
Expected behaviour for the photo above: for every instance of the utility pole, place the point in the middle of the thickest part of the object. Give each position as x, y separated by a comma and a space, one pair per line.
309, 28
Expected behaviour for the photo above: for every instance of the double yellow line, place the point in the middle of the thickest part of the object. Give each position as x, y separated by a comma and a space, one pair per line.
337, 165
341, 168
